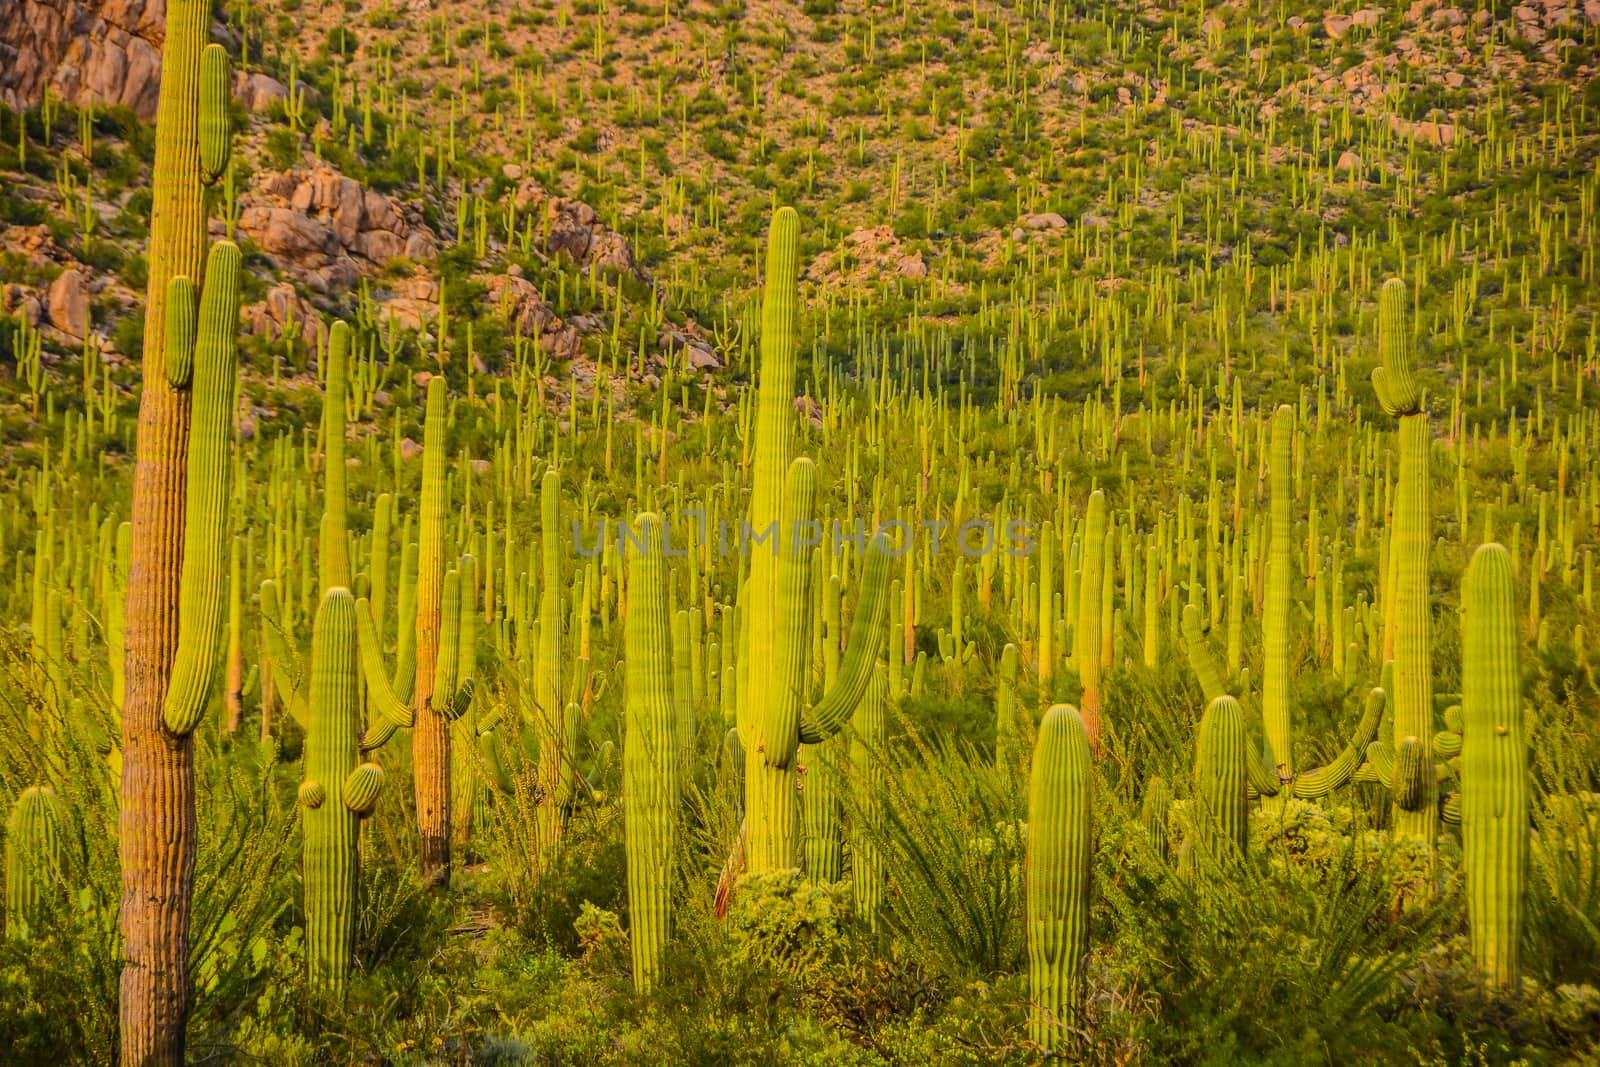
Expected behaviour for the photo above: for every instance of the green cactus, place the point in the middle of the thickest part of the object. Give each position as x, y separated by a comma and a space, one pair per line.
1058, 875
1153, 812
338, 791
770, 704
334, 554
1495, 788
868, 735
1414, 788
1087, 634
1275, 612
548, 706
1008, 743
430, 749
177, 561
1221, 773
649, 757
36, 836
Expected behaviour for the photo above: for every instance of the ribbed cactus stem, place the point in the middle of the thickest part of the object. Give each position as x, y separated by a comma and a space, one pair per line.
176, 557
337, 792
431, 739
1058, 875
1414, 788
649, 760
867, 738
548, 704
1275, 611
1086, 637
1153, 812
1221, 772
334, 558
1007, 725
36, 836
1495, 790
203, 590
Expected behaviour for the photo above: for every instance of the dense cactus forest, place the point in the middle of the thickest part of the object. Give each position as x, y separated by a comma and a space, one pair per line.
572, 532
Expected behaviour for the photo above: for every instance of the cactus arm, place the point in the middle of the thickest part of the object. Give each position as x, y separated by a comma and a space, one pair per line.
1313, 785
1379, 765
181, 309
381, 697
216, 124
494, 765
836, 707
202, 598
1202, 660
292, 695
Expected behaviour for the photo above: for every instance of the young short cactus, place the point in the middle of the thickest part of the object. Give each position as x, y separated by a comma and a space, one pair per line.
338, 791
36, 836
1494, 769
1221, 772
867, 738
649, 754
1058, 874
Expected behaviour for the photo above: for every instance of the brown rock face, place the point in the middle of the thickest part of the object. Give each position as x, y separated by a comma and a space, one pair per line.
328, 229
104, 52
69, 304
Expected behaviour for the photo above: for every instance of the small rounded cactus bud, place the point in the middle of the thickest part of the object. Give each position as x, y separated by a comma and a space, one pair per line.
312, 795
362, 787
216, 125
1411, 768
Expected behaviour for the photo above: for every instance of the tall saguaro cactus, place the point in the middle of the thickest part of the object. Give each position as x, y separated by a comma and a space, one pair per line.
649, 754
1494, 768
771, 715
177, 555
1058, 875
336, 794
1275, 611
1414, 788
431, 745
1086, 635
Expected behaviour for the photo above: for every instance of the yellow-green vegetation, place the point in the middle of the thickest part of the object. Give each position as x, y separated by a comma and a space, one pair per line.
806, 533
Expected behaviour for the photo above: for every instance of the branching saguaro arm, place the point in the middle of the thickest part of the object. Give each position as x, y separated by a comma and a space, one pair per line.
176, 592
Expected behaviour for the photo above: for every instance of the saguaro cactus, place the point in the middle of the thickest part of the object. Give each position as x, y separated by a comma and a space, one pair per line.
1275, 610
867, 738
430, 751
336, 794
1414, 788
1060, 866
1221, 776
649, 754
35, 849
1494, 768
1086, 634
177, 555
770, 705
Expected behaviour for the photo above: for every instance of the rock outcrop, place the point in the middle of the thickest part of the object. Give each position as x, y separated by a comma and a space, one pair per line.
329, 231
83, 51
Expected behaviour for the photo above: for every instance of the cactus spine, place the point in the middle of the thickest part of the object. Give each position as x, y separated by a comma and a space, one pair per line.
1494, 769
1414, 788
338, 791
1058, 874
35, 853
177, 557
649, 759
